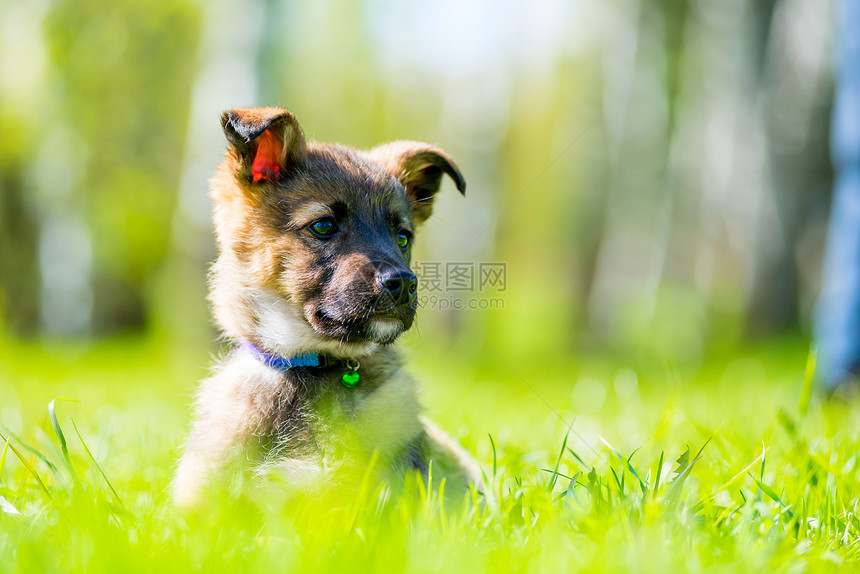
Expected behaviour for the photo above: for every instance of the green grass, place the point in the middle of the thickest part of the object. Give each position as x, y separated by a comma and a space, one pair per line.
730, 466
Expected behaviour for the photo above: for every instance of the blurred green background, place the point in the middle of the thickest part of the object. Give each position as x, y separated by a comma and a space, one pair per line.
654, 174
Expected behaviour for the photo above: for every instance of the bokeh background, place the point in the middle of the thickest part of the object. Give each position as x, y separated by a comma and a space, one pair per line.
654, 174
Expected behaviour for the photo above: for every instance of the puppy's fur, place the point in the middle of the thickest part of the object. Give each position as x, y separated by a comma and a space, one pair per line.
282, 286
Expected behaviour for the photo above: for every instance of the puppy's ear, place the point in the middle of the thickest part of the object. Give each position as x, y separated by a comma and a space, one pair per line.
267, 141
419, 167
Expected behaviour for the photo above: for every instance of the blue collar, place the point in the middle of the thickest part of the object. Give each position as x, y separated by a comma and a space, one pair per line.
349, 378
282, 363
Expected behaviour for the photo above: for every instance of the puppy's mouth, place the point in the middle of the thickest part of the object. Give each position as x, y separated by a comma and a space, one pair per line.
382, 327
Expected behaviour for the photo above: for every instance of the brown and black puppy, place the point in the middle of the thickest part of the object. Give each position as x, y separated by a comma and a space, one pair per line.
312, 284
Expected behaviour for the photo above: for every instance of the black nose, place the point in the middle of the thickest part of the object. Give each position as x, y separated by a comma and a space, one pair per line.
400, 284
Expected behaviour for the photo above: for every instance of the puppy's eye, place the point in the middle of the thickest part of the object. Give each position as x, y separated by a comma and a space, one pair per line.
404, 238
323, 227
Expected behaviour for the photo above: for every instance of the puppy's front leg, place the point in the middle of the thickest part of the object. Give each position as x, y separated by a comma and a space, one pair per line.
208, 449
229, 415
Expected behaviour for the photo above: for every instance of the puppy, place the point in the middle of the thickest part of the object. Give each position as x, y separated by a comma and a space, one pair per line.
312, 285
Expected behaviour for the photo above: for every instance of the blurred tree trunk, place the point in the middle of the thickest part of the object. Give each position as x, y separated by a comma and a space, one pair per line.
716, 117
796, 96
19, 223
105, 163
19, 260
641, 83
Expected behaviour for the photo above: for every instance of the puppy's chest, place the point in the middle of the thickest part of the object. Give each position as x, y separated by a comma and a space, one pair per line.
325, 416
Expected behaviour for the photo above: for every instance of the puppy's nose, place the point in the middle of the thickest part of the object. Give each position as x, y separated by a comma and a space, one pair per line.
400, 284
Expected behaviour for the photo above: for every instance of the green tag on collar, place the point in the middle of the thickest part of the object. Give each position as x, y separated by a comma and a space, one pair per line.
350, 379
351, 376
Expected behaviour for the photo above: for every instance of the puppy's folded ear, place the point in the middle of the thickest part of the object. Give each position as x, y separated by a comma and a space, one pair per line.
266, 141
419, 167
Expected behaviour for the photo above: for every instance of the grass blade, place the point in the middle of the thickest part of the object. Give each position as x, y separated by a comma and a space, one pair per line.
556, 473
52, 412
658, 474
770, 493
808, 376
683, 462
97, 465
3, 456
618, 483
572, 485
27, 465
735, 478
683, 470
558, 462
34, 452
493, 445
713, 434
611, 448
578, 458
